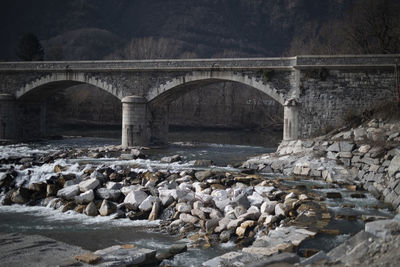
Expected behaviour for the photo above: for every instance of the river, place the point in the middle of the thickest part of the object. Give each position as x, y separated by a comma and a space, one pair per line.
225, 148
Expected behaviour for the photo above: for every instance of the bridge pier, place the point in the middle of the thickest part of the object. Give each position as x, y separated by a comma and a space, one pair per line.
290, 120
8, 120
135, 129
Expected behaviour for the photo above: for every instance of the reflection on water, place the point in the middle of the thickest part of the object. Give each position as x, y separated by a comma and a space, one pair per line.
232, 137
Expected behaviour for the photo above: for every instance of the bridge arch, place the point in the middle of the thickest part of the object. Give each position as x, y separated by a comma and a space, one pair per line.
182, 84
66, 79
164, 93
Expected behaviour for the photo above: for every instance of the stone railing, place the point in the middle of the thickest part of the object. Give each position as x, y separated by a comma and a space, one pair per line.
207, 64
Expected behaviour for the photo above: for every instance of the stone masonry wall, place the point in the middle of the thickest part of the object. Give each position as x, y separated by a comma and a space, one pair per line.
328, 97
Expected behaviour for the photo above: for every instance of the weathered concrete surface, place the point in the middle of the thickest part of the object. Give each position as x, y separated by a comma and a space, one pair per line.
317, 92
35, 250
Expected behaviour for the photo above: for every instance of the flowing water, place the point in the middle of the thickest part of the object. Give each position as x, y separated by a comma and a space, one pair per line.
225, 149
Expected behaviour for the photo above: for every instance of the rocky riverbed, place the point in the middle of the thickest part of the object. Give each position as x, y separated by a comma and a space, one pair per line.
272, 208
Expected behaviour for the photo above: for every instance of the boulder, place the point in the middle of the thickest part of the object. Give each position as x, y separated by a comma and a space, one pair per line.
59, 168
364, 148
127, 189
240, 231
268, 207
225, 236
233, 224
253, 213
127, 157
255, 199
89, 184
183, 208
202, 175
67, 207
114, 185
88, 258
107, 208
127, 255
69, 193
211, 224
352, 250
147, 204
38, 187
360, 134
165, 196
134, 199
109, 194
172, 251
187, 218
137, 215
137, 153
394, 166
346, 146
21, 196
155, 210
264, 190
85, 198
171, 159
383, 228
334, 147
91, 209
280, 209
242, 200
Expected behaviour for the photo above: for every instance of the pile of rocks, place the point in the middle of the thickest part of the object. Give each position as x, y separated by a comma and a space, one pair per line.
368, 157
128, 255
205, 205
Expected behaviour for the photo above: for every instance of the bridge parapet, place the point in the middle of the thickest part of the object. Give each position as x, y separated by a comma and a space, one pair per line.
151, 65
201, 64
347, 61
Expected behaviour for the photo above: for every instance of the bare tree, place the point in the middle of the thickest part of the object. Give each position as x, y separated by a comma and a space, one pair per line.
153, 48
371, 27
374, 27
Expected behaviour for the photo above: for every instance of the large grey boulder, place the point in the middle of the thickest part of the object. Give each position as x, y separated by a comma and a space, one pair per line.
394, 166
69, 193
91, 209
109, 194
155, 210
134, 199
352, 249
183, 208
127, 255
242, 200
89, 184
171, 159
85, 198
107, 208
383, 228
187, 218
147, 204
202, 175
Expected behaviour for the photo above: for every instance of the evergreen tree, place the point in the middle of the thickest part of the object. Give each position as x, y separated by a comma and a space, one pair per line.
29, 48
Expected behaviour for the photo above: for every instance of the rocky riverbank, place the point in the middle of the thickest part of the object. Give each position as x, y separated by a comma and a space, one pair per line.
365, 157
207, 206
266, 208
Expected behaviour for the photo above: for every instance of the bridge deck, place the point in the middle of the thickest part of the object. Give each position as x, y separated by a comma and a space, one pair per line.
347, 61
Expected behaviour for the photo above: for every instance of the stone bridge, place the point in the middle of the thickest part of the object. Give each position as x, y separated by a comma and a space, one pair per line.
317, 92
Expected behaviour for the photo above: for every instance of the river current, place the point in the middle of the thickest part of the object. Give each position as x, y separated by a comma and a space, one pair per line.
225, 149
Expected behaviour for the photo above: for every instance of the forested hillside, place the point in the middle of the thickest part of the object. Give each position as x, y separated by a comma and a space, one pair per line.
208, 27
